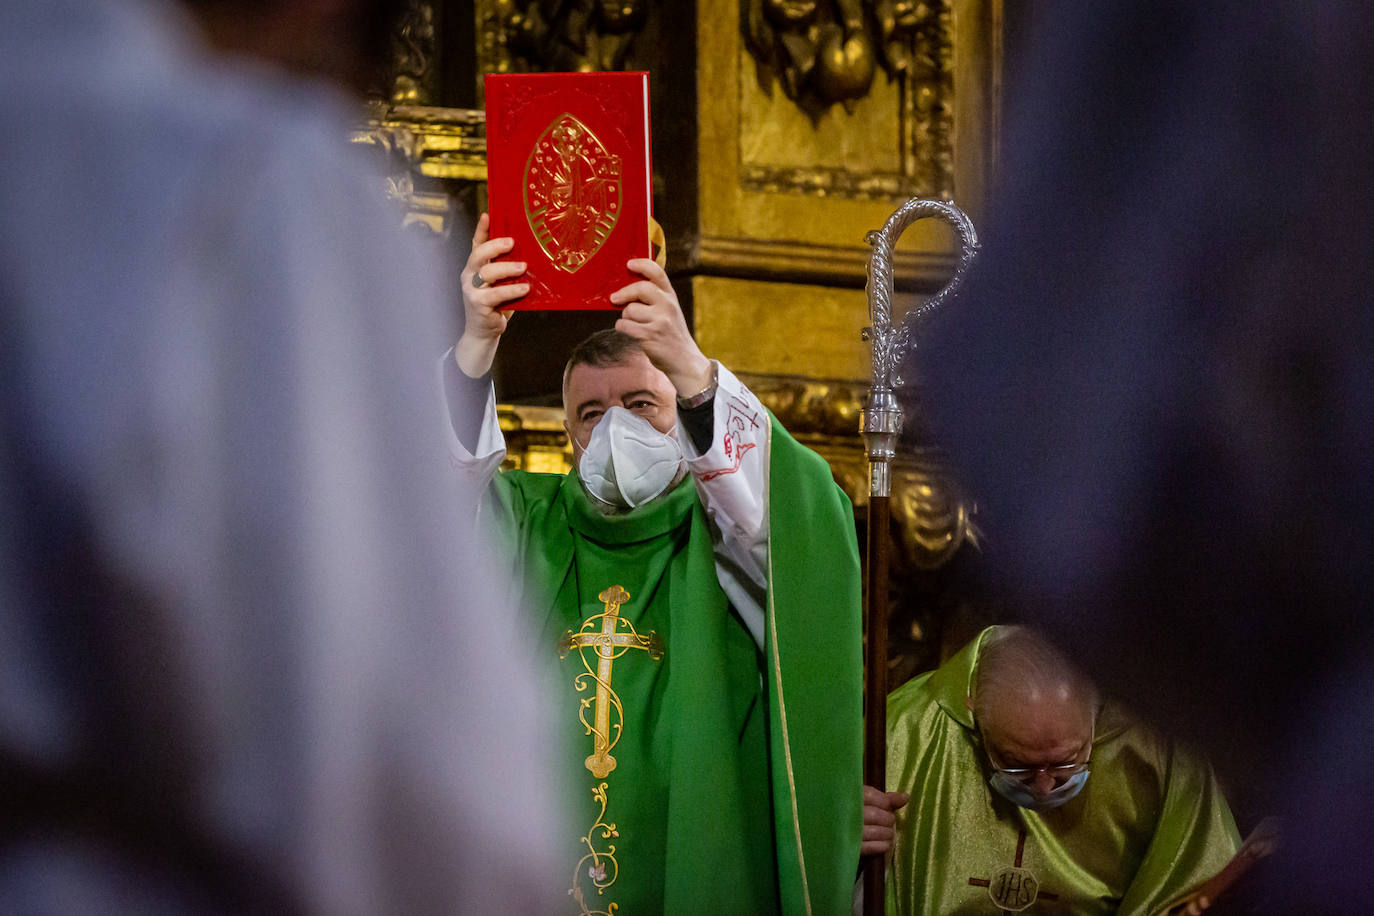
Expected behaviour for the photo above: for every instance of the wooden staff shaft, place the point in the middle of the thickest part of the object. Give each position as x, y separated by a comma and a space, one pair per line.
881, 425
875, 685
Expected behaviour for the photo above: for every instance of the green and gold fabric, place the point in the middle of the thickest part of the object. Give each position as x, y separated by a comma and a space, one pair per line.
1149, 824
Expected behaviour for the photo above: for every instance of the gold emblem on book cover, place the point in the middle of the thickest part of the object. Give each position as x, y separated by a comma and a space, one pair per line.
572, 192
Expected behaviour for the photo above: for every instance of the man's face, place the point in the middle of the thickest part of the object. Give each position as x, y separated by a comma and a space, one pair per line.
633, 384
1041, 733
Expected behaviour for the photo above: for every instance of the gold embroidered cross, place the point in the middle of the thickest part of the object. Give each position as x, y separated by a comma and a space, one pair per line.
607, 642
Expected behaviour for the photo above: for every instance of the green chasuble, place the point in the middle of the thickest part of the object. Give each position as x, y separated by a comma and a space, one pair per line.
711, 775
1149, 824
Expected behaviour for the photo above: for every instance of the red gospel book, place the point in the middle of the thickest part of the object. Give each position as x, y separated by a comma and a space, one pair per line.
568, 179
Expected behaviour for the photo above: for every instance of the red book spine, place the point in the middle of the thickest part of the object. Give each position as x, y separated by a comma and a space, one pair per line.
568, 177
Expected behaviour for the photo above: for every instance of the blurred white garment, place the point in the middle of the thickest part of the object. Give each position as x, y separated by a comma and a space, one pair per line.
236, 618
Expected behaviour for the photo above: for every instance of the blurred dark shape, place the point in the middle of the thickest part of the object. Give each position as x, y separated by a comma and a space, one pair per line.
1161, 390
342, 40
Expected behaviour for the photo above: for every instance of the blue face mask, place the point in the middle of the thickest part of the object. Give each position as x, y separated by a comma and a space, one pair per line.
1016, 792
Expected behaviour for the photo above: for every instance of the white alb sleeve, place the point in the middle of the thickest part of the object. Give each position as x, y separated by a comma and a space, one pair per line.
732, 481
478, 467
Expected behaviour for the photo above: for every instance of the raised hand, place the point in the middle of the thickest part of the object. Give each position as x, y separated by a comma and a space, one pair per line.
482, 300
653, 316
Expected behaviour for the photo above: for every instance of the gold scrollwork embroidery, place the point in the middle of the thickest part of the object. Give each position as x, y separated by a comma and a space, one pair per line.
603, 636
600, 864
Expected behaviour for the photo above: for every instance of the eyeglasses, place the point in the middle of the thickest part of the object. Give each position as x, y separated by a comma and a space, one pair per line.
1060, 772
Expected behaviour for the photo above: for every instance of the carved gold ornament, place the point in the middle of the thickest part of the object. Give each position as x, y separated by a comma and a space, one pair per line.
556, 35
823, 53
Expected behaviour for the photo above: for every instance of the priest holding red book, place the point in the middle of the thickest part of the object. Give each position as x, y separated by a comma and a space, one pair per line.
694, 585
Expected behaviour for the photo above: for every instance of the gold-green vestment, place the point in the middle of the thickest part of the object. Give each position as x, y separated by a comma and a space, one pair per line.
1149, 824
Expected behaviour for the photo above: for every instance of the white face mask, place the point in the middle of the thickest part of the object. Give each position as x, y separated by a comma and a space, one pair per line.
628, 462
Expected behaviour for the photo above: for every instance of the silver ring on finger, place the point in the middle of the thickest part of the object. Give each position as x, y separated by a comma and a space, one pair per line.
477, 281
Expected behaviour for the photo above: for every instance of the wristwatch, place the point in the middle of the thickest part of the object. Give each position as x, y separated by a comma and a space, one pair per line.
705, 394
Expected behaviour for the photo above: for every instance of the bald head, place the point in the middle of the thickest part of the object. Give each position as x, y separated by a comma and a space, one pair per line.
1033, 707
1017, 666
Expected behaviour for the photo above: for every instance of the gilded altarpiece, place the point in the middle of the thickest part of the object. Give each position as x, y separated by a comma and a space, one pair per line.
783, 131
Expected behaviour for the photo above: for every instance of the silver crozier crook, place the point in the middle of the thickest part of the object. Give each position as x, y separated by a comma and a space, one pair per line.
881, 425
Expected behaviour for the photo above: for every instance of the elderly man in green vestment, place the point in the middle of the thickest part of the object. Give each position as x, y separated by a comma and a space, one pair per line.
695, 583
1029, 794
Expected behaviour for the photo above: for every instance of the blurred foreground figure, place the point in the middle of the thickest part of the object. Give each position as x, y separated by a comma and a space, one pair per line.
245, 665
1161, 385
1026, 789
